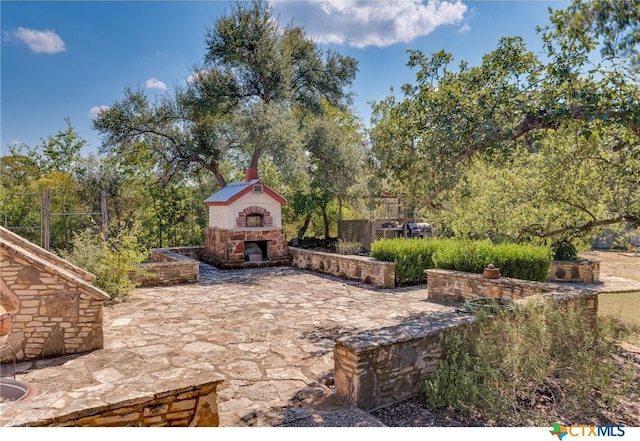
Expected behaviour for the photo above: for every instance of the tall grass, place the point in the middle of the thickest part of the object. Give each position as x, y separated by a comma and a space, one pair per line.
517, 368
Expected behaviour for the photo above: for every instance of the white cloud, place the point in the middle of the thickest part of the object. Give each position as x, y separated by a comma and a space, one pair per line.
154, 83
95, 111
361, 23
39, 41
464, 28
195, 75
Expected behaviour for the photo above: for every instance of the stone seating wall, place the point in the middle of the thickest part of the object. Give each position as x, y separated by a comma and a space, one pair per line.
191, 403
461, 286
362, 269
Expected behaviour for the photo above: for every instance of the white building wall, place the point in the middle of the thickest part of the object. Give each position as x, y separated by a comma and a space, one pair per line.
224, 216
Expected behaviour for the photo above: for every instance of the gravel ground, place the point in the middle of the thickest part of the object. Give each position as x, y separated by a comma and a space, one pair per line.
412, 413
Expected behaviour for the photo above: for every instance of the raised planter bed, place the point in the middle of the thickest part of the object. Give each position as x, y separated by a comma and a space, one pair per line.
169, 266
585, 270
379, 367
363, 269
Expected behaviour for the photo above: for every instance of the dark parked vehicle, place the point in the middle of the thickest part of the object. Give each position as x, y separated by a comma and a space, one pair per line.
418, 229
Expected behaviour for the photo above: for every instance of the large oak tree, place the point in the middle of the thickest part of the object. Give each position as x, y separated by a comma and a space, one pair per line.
569, 125
242, 103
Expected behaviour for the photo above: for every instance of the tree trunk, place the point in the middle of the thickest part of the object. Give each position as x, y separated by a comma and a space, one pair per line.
303, 229
325, 220
213, 168
255, 157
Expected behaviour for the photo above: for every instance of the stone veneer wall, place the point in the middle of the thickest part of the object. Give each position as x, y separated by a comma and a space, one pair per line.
363, 269
55, 311
194, 405
194, 253
168, 266
578, 271
225, 248
461, 286
381, 367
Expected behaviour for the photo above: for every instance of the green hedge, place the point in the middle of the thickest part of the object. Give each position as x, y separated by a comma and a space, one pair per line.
412, 257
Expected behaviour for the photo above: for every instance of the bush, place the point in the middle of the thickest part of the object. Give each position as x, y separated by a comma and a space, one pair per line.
344, 247
519, 261
564, 250
412, 257
87, 248
111, 261
516, 368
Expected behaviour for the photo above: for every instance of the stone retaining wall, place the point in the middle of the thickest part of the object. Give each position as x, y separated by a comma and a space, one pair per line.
168, 266
461, 286
577, 271
191, 405
362, 269
194, 253
381, 367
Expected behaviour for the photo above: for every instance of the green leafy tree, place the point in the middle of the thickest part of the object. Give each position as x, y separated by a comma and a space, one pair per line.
336, 146
19, 199
238, 106
52, 166
551, 148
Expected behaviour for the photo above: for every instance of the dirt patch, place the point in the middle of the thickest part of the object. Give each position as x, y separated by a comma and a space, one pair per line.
617, 264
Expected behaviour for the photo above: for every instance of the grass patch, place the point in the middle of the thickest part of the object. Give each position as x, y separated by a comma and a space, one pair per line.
626, 308
619, 265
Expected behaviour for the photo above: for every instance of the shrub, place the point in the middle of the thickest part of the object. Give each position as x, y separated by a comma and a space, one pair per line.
564, 250
516, 368
87, 247
344, 247
519, 261
411, 256
111, 261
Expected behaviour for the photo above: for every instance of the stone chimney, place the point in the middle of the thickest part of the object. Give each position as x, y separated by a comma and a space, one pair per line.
251, 173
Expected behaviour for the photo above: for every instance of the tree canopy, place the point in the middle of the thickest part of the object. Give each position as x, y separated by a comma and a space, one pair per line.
571, 120
245, 101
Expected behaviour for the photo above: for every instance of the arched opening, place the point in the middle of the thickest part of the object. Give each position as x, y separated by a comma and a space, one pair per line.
255, 220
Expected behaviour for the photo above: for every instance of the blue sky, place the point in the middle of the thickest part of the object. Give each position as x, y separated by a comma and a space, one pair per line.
66, 59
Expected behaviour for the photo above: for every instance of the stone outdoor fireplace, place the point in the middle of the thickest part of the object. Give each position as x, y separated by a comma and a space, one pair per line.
245, 225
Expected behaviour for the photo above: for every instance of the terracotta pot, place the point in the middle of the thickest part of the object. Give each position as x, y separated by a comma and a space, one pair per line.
491, 272
5, 324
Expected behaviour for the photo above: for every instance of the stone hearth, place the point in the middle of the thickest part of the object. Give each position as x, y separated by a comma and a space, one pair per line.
225, 248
